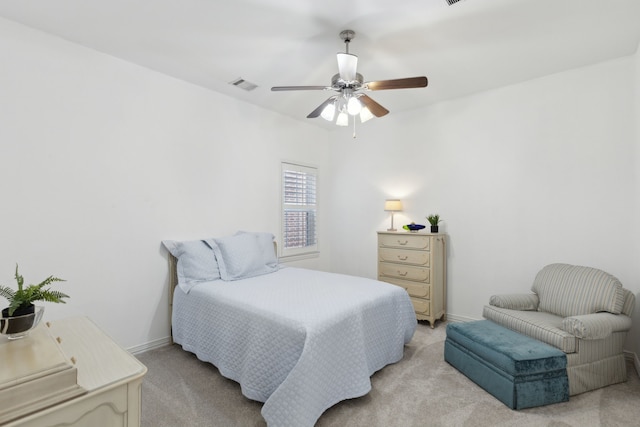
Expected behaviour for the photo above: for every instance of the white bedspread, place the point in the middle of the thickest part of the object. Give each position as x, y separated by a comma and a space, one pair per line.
298, 340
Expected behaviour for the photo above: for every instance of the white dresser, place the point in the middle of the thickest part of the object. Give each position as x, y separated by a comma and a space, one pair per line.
70, 374
416, 262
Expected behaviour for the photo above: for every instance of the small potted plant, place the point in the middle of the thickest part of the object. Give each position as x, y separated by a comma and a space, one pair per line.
434, 220
21, 309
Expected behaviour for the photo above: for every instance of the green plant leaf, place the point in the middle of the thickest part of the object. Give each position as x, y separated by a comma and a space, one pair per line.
24, 297
433, 219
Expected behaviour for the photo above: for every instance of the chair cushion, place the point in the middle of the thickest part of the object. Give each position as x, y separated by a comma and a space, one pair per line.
571, 290
545, 327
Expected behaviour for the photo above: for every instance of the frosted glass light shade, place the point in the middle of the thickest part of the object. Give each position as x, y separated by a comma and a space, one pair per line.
393, 205
354, 106
343, 119
365, 115
329, 112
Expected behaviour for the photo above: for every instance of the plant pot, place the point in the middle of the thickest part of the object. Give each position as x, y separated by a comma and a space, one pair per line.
434, 228
22, 321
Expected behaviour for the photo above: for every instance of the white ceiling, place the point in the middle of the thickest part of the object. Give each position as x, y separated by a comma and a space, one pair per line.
471, 46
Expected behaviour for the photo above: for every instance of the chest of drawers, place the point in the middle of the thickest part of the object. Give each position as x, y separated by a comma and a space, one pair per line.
110, 379
416, 262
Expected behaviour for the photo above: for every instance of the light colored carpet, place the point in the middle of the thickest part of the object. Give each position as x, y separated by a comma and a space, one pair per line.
421, 390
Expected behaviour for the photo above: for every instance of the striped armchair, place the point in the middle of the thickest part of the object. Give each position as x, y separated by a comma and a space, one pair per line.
583, 311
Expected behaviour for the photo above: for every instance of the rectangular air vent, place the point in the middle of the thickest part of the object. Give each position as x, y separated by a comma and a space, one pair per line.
450, 2
243, 84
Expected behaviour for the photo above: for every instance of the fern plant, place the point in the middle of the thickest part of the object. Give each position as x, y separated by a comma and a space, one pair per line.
23, 298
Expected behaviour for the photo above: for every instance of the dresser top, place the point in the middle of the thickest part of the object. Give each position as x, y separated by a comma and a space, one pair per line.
100, 361
59, 344
30, 358
410, 233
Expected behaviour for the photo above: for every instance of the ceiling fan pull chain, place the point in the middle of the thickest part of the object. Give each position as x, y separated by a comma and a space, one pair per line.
354, 127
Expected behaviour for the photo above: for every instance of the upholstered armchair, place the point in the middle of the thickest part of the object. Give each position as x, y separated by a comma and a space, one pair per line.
582, 311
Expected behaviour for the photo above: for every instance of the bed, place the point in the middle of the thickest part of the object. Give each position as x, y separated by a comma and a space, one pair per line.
298, 340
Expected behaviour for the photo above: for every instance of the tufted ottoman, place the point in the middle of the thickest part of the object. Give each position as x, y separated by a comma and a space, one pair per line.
519, 371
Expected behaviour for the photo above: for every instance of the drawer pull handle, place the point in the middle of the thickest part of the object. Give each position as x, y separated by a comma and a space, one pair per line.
403, 258
403, 243
402, 274
59, 340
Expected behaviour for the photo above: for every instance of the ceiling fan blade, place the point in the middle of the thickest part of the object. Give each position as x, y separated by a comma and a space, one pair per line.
315, 113
347, 66
375, 108
408, 83
283, 88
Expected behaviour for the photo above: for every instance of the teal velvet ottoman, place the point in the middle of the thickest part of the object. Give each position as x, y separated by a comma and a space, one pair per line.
519, 371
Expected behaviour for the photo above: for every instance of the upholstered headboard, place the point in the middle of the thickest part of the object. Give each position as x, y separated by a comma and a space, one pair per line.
173, 282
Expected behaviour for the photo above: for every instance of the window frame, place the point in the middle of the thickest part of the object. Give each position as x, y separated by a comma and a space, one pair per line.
308, 251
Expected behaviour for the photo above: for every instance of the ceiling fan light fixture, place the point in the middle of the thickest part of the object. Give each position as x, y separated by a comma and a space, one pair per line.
329, 112
348, 83
354, 106
365, 114
343, 119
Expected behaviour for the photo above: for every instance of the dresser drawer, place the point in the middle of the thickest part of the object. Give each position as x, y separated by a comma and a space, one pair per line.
414, 289
407, 241
421, 306
404, 272
405, 256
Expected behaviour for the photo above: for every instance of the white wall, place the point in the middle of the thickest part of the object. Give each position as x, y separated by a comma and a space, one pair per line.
523, 176
636, 230
100, 160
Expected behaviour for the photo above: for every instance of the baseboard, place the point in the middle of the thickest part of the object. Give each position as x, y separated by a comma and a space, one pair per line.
151, 345
633, 358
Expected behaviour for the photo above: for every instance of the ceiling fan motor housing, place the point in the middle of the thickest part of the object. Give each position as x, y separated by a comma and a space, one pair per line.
337, 83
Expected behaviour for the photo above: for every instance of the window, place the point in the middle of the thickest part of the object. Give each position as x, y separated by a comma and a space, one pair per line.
299, 210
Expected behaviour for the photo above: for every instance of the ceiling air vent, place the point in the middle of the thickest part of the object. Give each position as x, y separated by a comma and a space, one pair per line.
450, 2
243, 84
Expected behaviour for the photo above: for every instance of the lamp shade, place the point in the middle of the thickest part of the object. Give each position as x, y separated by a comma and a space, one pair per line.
353, 106
343, 119
329, 112
393, 205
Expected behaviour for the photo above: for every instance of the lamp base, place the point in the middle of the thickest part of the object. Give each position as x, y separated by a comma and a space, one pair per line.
391, 229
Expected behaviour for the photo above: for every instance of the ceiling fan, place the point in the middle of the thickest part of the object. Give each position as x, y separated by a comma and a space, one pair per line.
350, 101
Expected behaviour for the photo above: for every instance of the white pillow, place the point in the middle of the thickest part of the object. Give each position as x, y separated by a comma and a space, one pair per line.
196, 262
245, 254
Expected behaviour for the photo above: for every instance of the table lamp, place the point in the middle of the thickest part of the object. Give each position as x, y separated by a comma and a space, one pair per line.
392, 205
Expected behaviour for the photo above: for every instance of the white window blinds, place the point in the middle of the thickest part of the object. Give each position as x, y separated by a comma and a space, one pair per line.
299, 209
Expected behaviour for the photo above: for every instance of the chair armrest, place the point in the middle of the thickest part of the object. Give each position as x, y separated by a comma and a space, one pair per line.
596, 326
525, 302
